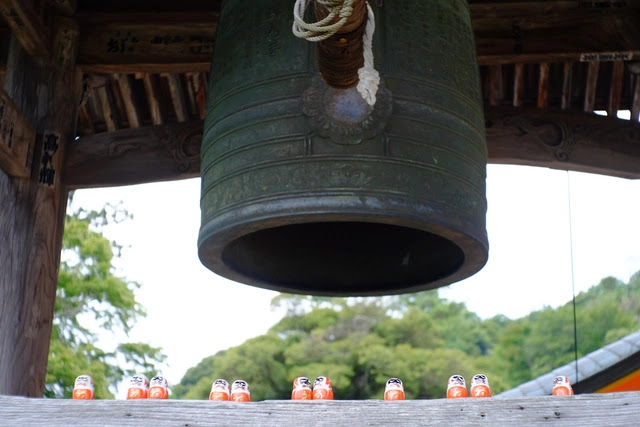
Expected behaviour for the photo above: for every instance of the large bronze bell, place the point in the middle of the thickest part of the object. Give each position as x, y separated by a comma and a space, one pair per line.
308, 189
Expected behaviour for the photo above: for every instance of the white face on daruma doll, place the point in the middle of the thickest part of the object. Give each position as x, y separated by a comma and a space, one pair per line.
240, 386
220, 385
394, 384
139, 381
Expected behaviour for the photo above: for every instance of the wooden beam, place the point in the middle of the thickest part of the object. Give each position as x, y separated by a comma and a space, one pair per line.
557, 139
565, 102
148, 42
27, 26
134, 156
592, 82
518, 85
32, 211
615, 88
109, 110
85, 124
157, 107
495, 85
125, 82
543, 86
65, 7
635, 105
505, 32
176, 90
618, 409
564, 140
17, 138
553, 31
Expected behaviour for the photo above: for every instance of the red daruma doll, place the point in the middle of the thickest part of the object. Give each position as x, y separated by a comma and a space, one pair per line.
480, 386
562, 386
456, 387
158, 388
394, 390
138, 387
83, 388
322, 389
240, 391
219, 390
302, 389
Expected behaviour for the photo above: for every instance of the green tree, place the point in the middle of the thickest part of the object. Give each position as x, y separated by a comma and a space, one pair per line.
359, 343
91, 298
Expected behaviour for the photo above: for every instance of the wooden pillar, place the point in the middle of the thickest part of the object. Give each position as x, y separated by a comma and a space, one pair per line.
32, 210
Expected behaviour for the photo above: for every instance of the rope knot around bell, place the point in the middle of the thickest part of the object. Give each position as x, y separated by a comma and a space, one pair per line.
368, 77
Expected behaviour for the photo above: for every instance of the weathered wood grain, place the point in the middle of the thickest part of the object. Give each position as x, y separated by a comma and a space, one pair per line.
505, 32
556, 139
17, 138
613, 409
563, 140
27, 26
553, 31
134, 156
147, 42
32, 212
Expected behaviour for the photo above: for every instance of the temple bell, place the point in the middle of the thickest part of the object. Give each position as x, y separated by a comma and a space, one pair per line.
308, 188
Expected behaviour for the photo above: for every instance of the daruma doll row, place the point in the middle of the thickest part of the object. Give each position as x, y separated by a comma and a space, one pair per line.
303, 389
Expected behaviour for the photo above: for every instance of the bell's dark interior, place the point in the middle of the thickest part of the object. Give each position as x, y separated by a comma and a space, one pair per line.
343, 258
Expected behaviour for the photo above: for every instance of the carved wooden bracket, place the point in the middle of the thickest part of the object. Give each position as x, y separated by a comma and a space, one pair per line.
564, 140
135, 156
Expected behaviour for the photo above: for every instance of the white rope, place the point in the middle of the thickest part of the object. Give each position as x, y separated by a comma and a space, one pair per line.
320, 30
369, 79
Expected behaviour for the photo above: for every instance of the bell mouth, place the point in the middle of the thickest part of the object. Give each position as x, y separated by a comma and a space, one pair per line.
341, 258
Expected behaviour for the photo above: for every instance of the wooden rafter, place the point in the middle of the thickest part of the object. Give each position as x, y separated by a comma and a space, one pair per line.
543, 86
566, 86
615, 91
177, 97
125, 83
592, 82
156, 106
27, 25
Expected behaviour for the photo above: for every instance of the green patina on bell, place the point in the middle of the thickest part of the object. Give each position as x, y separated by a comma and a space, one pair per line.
308, 189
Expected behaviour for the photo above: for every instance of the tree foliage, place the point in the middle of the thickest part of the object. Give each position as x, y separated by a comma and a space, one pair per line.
91, 299
421, 338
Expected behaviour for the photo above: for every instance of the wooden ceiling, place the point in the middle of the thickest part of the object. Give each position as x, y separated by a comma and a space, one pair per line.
545, 66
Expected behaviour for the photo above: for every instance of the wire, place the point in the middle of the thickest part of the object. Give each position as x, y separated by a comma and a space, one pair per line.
573, 286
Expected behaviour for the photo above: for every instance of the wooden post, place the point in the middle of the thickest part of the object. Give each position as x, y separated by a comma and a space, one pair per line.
32, 210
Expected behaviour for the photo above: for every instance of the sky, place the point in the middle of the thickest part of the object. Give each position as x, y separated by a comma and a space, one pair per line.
533, 241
